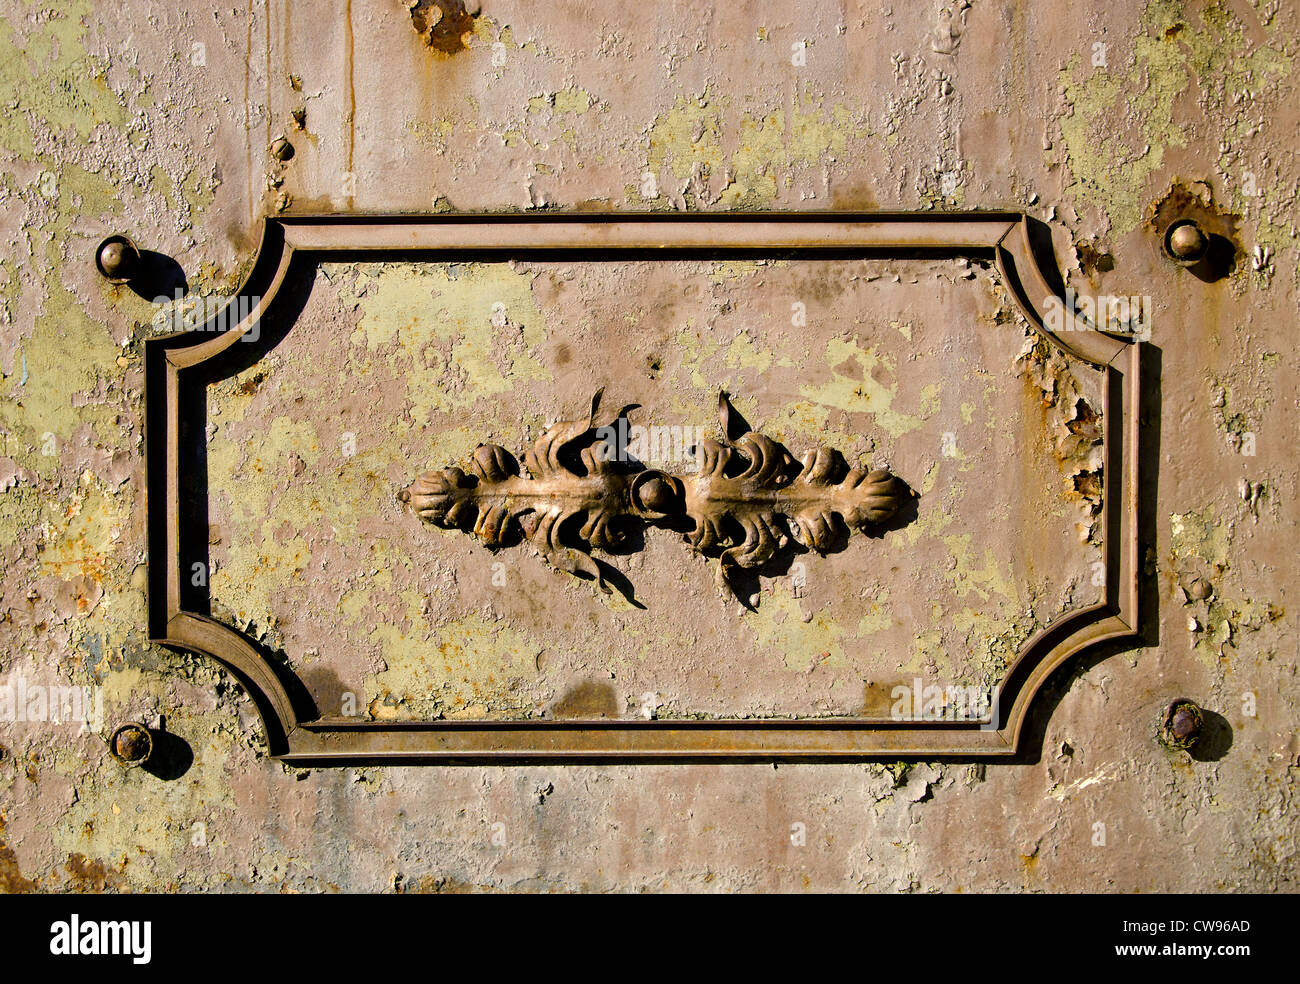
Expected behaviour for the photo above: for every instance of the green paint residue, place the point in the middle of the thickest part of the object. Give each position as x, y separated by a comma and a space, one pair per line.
779, 629
857, 391
456, 335
1200, 534
877, 617
1110, 172
572, 100
53, 81
982, 577
692, 135
472, 663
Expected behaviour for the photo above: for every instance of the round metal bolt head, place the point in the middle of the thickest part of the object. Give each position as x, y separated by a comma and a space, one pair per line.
131, 745
281, 149
117, 259
1182, 724
1185, 242
1199, 589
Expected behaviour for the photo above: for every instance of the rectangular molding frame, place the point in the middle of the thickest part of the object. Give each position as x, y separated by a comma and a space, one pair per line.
177, 367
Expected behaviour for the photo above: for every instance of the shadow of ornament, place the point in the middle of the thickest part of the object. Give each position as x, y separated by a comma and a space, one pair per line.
746, 502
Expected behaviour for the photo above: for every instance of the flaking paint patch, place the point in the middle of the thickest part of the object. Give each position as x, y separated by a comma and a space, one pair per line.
755, 154
251, 479
472, 667
486, 312
779, 629
1201, 544
140, 826
1171, 54
79, 97
79, 537
1200, 534
876, 616
857, 390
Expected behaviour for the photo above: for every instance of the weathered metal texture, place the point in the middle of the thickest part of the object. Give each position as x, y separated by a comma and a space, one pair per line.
1109, 123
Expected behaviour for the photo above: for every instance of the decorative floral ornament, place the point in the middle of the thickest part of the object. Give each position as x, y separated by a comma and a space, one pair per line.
740, 503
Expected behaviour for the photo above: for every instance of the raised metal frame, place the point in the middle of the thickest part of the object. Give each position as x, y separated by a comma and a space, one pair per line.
175, 367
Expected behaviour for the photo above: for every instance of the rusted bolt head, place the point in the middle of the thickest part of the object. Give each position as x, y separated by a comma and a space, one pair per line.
281, 149
117, 259
1182, 724
1185, 242
1199, 589
131, 745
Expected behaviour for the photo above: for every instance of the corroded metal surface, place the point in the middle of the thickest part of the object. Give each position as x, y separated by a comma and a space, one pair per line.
1107, 123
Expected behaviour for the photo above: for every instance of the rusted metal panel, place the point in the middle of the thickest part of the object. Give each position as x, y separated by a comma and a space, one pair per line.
564, 177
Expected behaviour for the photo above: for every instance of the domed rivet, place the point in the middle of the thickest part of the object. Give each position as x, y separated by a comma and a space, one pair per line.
117, 259
281, 149
1182, 724
1185, 242
131, 745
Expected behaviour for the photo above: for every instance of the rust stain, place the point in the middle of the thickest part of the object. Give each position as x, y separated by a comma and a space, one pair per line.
855, 197
253, 383
443, 25
252, 195
1029, 866
1093, 260
88, 875
876, 699
352, 93
587, 700
1193, 201
12, 881
439, 885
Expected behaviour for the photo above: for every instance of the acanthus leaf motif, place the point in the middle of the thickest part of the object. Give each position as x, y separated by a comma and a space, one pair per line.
752, 484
